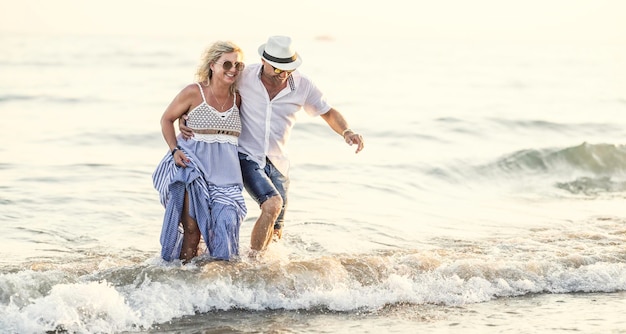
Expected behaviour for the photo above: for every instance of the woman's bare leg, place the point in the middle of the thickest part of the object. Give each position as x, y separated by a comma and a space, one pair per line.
191, 236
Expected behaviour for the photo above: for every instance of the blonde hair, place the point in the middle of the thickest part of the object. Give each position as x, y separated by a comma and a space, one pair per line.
211, 55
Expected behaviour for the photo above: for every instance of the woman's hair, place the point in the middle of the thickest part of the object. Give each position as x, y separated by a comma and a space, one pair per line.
210, 56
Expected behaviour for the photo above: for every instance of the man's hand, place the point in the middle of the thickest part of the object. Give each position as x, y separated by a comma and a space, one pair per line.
184, 129
354, 138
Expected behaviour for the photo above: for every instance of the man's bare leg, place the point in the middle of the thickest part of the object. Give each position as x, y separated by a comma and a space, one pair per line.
264, 227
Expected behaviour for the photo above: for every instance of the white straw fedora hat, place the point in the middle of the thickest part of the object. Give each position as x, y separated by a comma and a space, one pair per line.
278, 53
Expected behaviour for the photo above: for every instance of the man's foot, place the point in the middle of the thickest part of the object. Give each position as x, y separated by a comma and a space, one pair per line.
254, 254
278, 234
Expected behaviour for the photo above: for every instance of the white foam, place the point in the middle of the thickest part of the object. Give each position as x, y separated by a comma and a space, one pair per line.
79, 308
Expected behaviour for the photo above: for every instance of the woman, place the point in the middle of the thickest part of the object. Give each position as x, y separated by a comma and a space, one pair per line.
199, 180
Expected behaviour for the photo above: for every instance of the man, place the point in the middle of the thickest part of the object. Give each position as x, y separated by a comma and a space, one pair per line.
272, 92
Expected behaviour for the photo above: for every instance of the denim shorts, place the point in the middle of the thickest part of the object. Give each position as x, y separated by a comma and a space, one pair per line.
263, 183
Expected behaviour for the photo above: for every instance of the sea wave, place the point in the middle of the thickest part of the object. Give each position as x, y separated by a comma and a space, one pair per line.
586, 169
43, 98
598, 159
555, 127
119, 294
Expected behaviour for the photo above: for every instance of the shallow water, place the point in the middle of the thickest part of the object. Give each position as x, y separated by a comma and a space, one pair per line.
528, 314
489, 197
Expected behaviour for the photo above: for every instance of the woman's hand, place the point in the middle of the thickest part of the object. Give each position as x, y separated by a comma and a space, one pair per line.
180, 159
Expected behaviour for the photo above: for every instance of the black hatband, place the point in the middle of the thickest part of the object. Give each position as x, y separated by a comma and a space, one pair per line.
280, 60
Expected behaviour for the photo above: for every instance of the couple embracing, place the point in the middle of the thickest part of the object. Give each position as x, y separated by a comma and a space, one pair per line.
235, 122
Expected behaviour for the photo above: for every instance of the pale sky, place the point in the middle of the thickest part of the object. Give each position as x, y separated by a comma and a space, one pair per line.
592, 20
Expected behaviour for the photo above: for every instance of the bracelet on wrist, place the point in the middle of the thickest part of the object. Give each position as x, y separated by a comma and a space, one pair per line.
175, 149
343, 134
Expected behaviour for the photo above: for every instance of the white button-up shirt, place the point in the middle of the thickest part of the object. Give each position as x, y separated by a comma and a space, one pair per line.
266, 124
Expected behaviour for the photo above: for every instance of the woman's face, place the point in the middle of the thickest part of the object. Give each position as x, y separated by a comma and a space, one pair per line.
228, 67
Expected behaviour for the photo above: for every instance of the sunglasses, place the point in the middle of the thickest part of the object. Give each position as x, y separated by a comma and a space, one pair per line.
227, 65
279, 71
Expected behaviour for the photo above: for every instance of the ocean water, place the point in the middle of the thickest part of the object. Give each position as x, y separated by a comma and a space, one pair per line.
489, 197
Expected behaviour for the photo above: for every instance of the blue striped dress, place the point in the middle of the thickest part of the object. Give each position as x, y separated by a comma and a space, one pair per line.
212, 180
